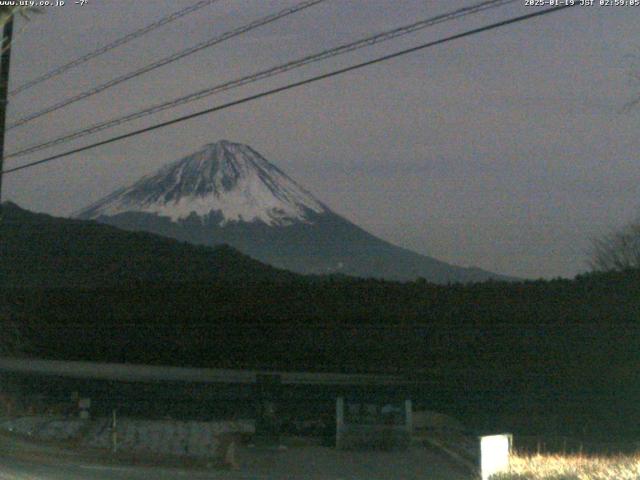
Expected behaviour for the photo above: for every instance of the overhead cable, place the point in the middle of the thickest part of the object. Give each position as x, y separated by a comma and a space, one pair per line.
291, 86
165, 61
117, 43
270, 72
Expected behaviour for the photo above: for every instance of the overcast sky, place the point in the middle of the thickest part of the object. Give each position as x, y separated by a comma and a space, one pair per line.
507, 150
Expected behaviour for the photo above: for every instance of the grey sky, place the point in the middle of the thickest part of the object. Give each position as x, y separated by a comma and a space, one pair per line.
507, 150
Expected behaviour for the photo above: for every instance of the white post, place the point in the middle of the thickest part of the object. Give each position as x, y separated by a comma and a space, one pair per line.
408, 416
114, 432
339, 420
495, 451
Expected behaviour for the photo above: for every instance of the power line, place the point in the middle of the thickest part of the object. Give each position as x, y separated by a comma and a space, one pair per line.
292, 86
165, 61
323, 55
117, 43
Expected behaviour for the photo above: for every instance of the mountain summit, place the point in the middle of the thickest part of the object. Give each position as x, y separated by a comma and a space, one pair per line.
228, 181
228, 193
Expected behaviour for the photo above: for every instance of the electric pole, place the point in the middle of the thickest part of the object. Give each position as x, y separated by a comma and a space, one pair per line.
5, 60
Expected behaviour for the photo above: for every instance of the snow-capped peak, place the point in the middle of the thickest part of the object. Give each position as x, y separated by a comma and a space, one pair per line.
229, 180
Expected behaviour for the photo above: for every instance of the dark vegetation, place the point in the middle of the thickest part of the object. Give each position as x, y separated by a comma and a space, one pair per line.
534, 357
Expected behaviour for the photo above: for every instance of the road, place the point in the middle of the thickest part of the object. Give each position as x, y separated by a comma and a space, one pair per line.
296, 463
16, 469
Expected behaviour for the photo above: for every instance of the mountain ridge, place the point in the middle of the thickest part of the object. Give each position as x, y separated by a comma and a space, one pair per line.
228, 193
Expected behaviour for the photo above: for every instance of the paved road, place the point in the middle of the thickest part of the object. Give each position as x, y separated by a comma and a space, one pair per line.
296, 463
17, 469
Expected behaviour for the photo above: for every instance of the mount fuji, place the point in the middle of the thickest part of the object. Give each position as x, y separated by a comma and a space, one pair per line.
227, 193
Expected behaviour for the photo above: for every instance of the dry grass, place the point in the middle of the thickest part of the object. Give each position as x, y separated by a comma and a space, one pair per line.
572, 467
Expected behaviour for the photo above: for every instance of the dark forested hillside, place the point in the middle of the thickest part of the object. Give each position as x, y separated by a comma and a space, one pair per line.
564, 351
38, 250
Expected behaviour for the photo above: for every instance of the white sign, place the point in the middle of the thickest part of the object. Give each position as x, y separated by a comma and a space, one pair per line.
494, 454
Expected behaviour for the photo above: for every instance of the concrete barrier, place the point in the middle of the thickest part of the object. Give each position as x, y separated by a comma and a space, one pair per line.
171, 437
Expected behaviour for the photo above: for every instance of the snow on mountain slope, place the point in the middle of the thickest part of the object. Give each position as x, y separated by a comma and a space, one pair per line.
227, 193
229, 180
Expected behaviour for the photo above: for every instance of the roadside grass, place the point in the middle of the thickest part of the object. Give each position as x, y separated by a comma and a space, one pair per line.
572, 467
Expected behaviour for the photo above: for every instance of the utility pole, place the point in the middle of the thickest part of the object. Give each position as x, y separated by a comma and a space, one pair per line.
5, 60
